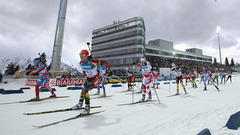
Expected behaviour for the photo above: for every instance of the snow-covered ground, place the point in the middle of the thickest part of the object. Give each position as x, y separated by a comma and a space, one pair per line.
178, 115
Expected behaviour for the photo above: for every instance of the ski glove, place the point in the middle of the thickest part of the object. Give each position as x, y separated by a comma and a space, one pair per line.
109, 72
27, 73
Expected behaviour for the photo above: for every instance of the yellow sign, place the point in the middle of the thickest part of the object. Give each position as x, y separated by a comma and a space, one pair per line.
122, 80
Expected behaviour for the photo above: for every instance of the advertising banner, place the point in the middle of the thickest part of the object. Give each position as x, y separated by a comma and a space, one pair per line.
57, 82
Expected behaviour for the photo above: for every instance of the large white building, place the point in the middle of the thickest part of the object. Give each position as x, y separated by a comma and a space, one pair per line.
163, 48
123, 43
120, 44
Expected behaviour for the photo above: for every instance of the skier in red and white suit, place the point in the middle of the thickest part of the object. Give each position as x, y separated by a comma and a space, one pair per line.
130, 77
147, 77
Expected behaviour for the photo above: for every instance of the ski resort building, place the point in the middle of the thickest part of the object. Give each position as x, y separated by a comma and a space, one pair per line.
164, 49
122, 44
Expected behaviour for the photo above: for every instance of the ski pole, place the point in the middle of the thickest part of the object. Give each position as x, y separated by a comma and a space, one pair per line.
133, 90
118, 78
157, 95
169, 83
108, 77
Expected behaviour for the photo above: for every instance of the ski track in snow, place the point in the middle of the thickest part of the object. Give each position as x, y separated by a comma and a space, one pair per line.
178, 115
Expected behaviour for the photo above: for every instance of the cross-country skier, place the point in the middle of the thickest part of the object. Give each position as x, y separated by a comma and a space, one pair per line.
207, 77
102, 70
194, 76
155, 77
188, 76
147, 77
178, 73
209, 74
201, 76
89, 67
215, 77
130, 77
229, 76
223, 78
44, 77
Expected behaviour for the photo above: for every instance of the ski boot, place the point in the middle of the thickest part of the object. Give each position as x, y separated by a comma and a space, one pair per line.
143, 98
205, 88
104, 94
77, 106
86, 110
149, 97
177, 92
185, 91
53, 94
98, 92
36, 98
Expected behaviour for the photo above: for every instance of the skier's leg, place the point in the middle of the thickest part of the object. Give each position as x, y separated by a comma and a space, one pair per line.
177, 81
149, 88
39, 83
88, 85
144, 82
36, 92
214, 84
204, 82
103, 82
183, 87
227, 78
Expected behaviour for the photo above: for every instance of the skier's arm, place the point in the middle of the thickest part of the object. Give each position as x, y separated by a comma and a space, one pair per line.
138, 65
41, 69
28, 72
102, 62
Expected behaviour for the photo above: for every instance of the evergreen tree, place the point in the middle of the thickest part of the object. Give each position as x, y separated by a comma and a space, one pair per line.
232, 62
226, 61
16, 68
11, 69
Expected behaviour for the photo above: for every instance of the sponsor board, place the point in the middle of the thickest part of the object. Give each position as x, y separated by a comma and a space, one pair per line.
57, 82
119, 81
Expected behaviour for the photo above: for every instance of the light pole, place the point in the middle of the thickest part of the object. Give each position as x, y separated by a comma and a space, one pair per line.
218, 32
58, 41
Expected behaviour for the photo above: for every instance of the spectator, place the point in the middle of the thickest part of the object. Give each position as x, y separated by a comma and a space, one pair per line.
58, 77
63, 76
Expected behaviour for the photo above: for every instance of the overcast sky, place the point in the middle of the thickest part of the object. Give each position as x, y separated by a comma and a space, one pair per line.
27, 27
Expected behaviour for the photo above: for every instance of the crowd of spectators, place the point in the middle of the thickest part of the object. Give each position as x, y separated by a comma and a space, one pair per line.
187, 66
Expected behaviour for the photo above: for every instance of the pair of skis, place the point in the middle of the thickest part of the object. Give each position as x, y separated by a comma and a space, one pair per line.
72, 118
138, 102
41, 99
178, 95
64, 110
